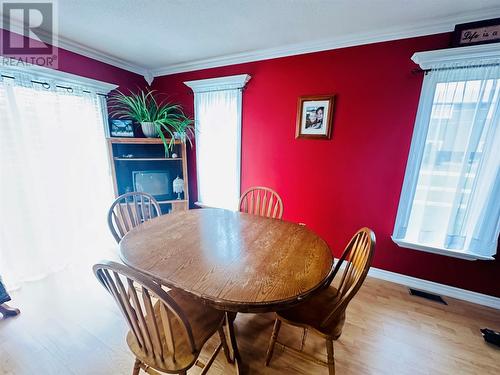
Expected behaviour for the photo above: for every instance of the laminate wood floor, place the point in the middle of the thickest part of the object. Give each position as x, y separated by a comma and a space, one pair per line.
69, 325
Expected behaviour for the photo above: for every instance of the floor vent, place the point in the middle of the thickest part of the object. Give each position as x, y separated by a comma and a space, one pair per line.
429, 296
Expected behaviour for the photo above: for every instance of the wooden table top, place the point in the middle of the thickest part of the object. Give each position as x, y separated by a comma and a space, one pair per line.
233, 261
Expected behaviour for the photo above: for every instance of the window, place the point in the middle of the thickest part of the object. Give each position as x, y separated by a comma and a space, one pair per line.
218, 139
55, 186
450, 198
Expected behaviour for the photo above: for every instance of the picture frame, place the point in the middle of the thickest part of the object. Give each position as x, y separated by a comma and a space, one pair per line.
473, 33
315, 117
121, 128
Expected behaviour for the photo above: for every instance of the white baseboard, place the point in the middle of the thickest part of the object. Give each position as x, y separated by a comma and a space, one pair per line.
436, 288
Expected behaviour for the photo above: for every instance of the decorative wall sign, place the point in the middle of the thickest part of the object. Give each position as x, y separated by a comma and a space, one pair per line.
121, 128
314, 117
481, 32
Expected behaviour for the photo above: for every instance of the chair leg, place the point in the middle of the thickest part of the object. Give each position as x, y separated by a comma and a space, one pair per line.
331, 358
137, 367
303, 342
223, 341
274, 337
210, 361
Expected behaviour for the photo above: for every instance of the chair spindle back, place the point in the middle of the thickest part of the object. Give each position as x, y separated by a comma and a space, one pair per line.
262, 201
129, 210
358, 257
148, 320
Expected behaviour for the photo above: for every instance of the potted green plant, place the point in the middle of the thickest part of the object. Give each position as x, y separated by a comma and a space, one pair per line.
158, 118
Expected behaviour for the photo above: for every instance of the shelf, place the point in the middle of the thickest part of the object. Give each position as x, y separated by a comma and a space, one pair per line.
128, 155
166, 201
173, 201
156, 141
145, 159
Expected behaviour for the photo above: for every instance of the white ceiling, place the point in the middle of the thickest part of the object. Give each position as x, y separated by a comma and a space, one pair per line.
155, 37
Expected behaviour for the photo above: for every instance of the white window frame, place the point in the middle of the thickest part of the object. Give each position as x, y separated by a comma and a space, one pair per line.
42, 74
427, 60
235, 82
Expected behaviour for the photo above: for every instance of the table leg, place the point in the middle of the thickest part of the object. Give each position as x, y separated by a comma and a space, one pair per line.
230, 317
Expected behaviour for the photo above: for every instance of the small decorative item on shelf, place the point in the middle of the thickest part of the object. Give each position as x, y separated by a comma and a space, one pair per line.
180, 136
157, 117
174, 155
178, 186
121, 128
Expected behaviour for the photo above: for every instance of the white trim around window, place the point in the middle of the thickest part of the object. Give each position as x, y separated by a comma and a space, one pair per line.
440, 250
218, 106
220, 83
458, 55
41, 73
449, 200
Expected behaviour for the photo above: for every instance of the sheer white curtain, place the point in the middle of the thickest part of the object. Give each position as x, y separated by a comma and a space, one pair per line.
55, 183
218, 118
451, 192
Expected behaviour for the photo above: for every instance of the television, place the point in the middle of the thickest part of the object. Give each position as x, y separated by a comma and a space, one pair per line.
156, 183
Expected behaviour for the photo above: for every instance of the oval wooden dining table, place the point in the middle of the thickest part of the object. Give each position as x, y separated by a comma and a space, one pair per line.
233, 261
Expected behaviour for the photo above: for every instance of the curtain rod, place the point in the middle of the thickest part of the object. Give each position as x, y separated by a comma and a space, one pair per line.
47, 86
204, 91
425, 71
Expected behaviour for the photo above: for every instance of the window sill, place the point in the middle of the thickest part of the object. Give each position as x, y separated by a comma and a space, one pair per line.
202, 205
441, 251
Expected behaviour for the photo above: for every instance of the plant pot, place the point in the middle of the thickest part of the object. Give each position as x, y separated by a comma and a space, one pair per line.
149, 129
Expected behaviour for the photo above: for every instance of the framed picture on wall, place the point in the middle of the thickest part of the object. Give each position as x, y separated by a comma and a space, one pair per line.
314, 117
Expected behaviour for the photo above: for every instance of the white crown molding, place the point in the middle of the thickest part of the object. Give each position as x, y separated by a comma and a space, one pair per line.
69, 45
432, 287
220, 83
424, 28
148, 77
392, 33
429, 59
102, 57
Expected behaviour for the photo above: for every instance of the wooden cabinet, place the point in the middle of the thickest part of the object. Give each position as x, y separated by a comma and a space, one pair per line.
140, 164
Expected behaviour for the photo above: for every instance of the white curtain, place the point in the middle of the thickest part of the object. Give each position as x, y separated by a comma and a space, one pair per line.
451, 192
55, 183
218, 142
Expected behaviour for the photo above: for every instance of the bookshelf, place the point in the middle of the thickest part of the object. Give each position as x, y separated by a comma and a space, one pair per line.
129, 155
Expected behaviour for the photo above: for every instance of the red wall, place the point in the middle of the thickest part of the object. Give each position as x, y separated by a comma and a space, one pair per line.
74, 63
353, 180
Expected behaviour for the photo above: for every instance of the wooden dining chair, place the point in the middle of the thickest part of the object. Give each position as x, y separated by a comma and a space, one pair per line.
129, 210
324, 313
167, 330
261, 201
